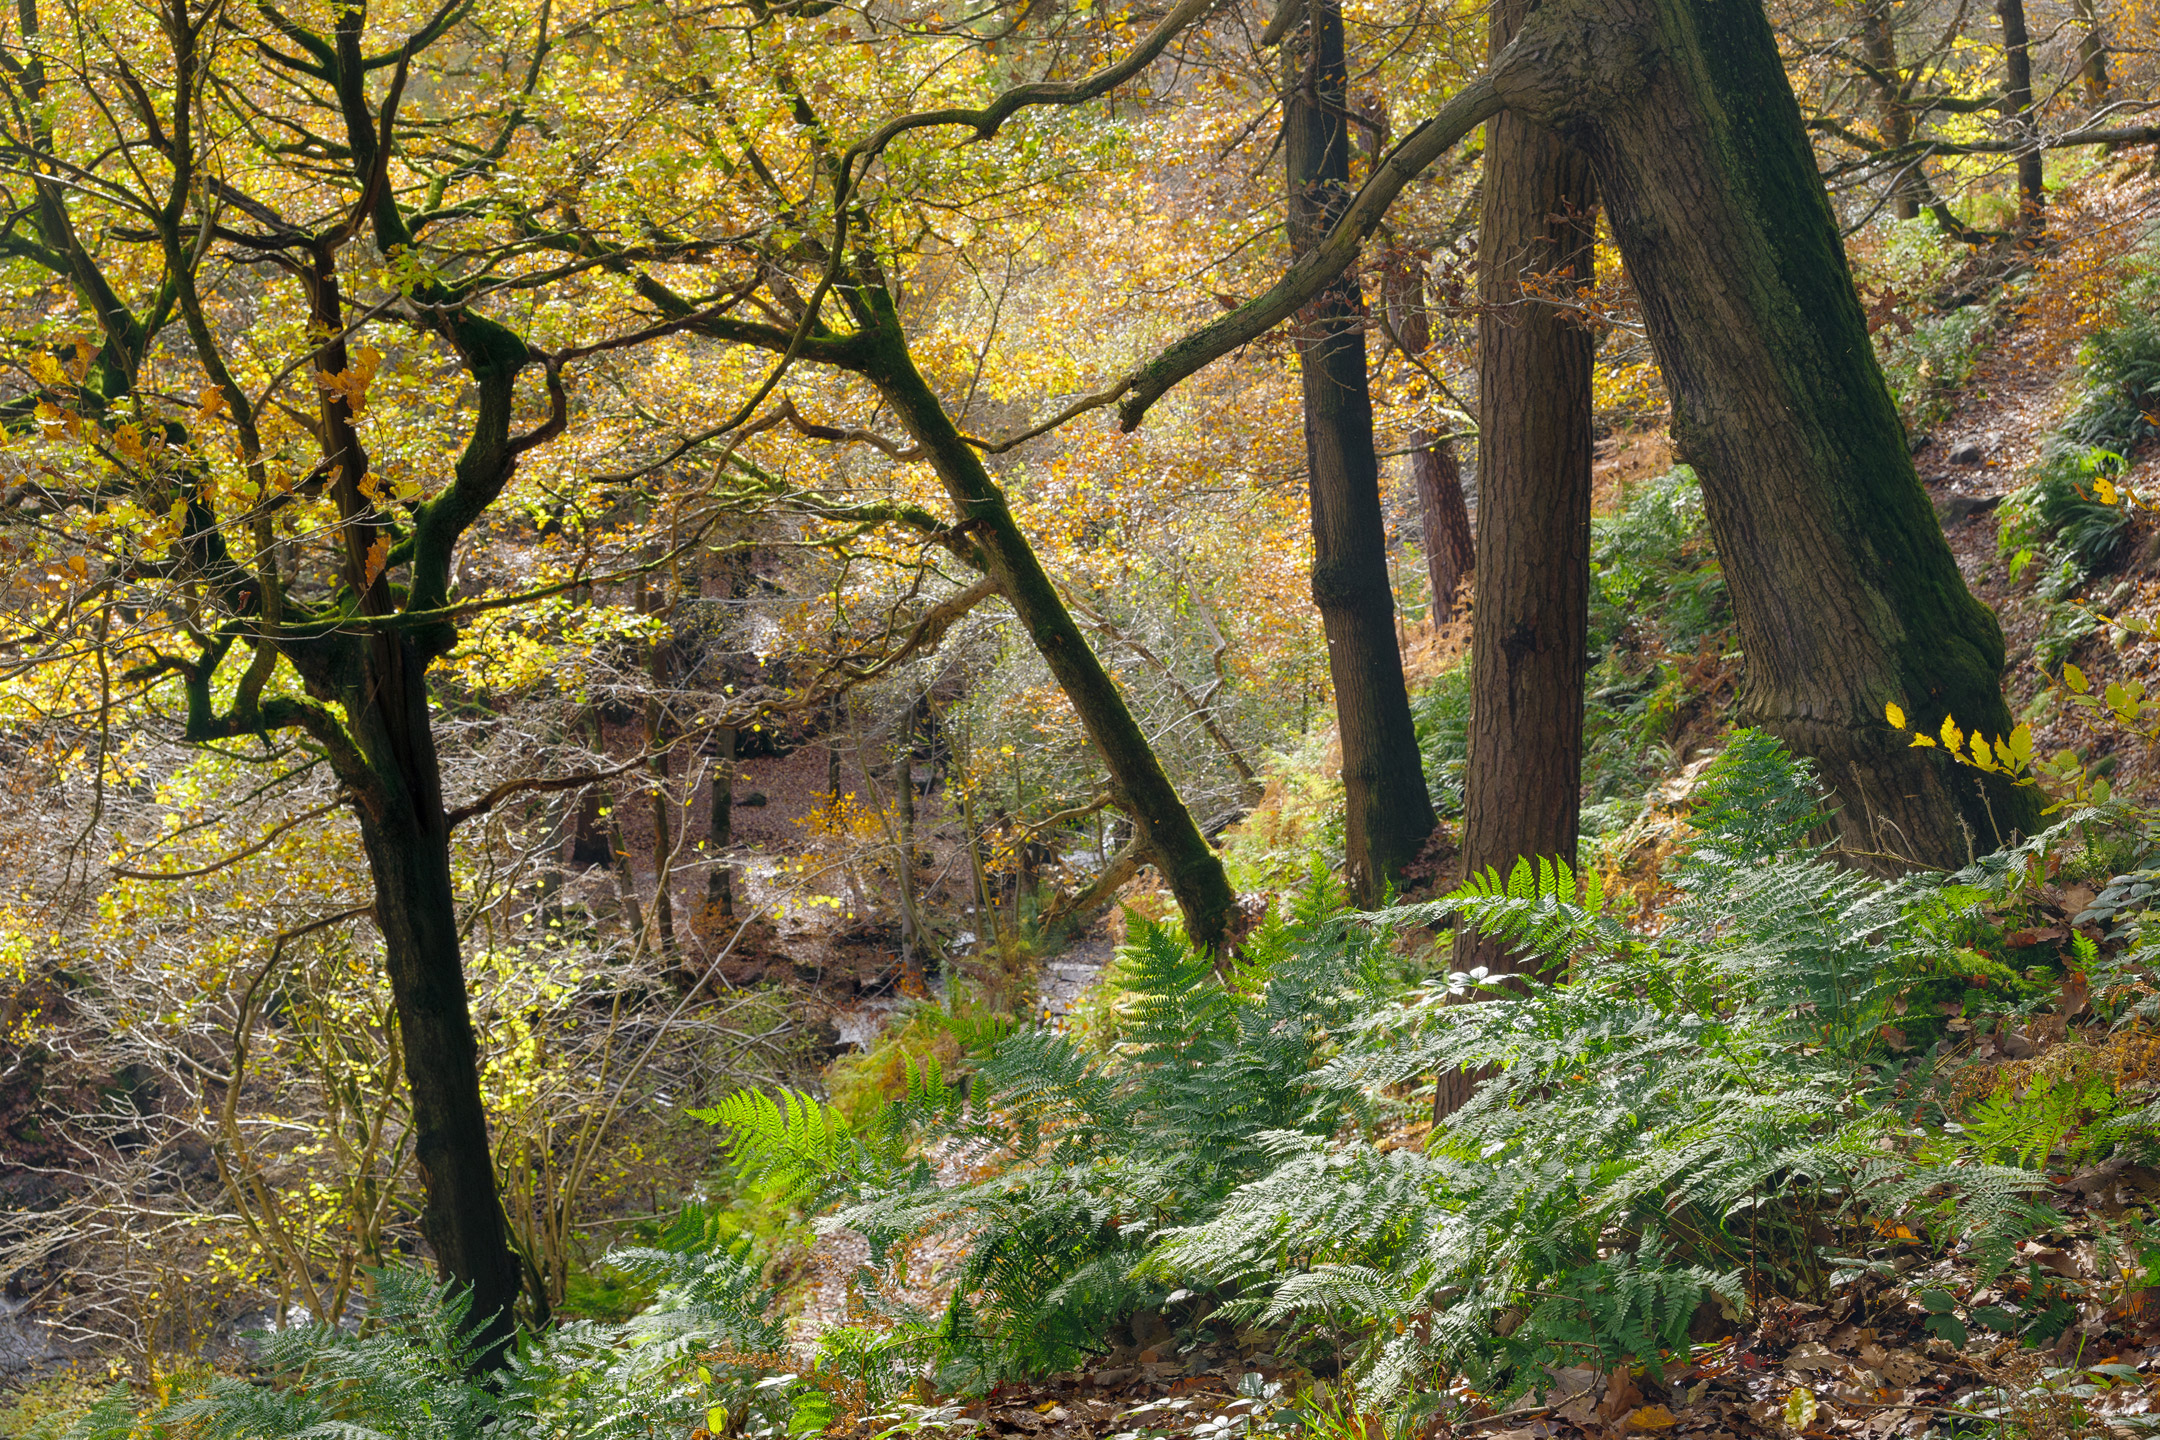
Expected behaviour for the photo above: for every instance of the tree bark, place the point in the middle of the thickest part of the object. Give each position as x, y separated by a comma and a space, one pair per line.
407, 837
1523, 789
2017, 103
1189, 865
1435, 468
1878, 42
1388, 811
1846, 594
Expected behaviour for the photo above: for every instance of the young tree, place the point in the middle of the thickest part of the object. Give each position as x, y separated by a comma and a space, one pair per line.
1388, 813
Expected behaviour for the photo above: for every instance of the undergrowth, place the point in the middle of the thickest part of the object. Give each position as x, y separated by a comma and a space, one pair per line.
2071, 511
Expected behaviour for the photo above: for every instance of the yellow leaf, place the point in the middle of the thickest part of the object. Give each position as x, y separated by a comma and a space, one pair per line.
2021, 744
1920, 740
1980, 754
2074, 678
1952, 737
377, 556
1895, 716
1651, 1417
1800, 1408
46, 370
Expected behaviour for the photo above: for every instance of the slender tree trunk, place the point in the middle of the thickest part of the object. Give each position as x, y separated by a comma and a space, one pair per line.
2092, 55
1388, 811
1847, 596
1435, 469
1878, 42
1523, 790
1189, 865
720, 832
911, 966
2017, 103
407, 838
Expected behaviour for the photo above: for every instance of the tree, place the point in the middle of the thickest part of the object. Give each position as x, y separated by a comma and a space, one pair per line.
1435, 464
2017, 106
1522, 793
1388, 813
1847, 596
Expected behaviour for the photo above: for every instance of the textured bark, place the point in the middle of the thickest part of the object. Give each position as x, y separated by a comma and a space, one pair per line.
1388, 812
1846, 594
1523, 789
1435, 469
1189, 865
2017, 103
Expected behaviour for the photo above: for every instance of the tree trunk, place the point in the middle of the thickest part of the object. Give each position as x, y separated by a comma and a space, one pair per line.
2017, 102
1847, 596
1435, 470
911, 965
1388, 811
720, 834
1523, 790
1189, 865
1878, 42
407, 838
2092, 55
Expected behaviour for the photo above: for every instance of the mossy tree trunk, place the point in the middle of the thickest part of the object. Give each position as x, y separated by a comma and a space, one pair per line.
1847, 596
1189, 865
1388, 812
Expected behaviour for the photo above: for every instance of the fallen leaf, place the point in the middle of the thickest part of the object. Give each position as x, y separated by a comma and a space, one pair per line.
1651, 1417
1621, 1396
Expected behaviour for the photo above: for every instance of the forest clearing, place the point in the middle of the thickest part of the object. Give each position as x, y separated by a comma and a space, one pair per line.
1207, 720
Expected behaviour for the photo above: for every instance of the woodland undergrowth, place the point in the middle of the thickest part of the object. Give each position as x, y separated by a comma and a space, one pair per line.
1760, 1098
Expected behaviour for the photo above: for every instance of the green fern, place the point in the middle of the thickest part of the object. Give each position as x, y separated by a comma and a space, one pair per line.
407, 1374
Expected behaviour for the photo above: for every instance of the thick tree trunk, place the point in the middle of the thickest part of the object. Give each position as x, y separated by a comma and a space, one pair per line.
1189, 865
1435, 469
1388, 811
1847, 596
407, 838
1523, 789
2017, 103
